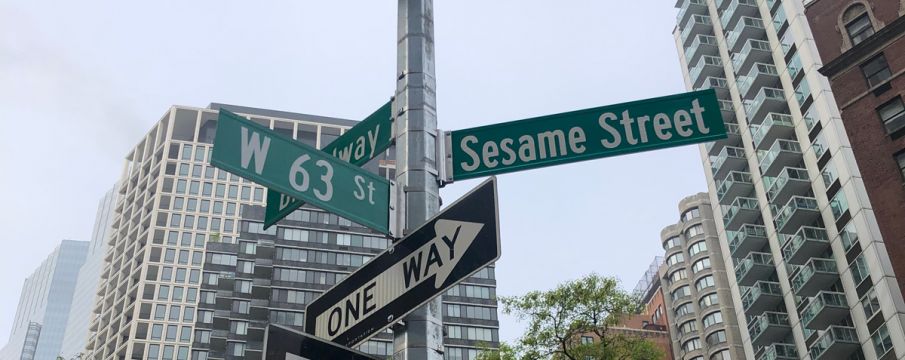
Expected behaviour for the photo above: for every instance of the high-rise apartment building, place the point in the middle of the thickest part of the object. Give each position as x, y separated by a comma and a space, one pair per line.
270, 276
44, 305
172, 203
703, 321
862, 45
89, 275
793, 209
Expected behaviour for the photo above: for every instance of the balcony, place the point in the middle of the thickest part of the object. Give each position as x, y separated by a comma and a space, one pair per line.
718, 84
742, 210
761, 75
837, 342
790, 182
735, 11
754, 51
733, 138
730, 159
783, 153
735, 184
807, 243
696, 25
702, 45
763, 296
749, 238
768, 328
727, 110
708, 66
746, 28
774, 126
689, 8
799, 211
815, 275
767, 100
756, 266
779, 351
825, 309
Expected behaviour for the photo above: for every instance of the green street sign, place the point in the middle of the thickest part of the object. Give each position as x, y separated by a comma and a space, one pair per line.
594, 133
358, 145
256, 153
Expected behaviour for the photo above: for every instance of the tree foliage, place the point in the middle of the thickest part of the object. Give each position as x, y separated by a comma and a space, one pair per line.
557, 319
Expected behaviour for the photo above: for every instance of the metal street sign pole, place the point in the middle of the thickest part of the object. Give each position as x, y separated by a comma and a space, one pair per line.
421, 335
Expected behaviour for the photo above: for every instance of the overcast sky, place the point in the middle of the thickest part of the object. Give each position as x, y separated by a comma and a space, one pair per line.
82, 81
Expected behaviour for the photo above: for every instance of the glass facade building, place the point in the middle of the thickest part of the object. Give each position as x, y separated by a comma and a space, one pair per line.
44, 304
792, 207
89, 274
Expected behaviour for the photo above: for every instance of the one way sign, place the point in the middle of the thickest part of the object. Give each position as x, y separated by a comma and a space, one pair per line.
444, 251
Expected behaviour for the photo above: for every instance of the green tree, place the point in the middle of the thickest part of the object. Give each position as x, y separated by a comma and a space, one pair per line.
557, 319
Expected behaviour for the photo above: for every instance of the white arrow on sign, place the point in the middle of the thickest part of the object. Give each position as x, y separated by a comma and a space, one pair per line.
437, 257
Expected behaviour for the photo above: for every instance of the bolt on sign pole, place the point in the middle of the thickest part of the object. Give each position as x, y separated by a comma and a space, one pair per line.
420, 334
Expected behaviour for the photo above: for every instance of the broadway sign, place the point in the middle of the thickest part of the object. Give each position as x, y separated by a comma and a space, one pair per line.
448, 248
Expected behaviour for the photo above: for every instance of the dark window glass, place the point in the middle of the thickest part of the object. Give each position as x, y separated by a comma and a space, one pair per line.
893, 115
876, 71
184, 125
859, 29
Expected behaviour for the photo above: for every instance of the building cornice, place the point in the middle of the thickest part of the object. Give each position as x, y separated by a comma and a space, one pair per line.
865, 48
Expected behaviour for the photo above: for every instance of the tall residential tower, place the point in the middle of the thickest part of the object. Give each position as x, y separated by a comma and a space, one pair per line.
793, 209
44, 305
89, 276
703, 320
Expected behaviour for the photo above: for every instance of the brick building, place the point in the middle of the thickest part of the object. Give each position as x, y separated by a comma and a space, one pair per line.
862, 47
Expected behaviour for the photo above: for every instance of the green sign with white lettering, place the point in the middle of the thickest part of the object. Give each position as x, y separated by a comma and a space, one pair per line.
358, 145
261, 155
594, 133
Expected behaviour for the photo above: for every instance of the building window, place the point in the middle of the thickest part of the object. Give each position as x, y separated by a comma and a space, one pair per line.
672, 242
684, 309
716, 338
678, 275
681, 292
235, 348
893, 115
870, 303
876, 71
691, 214
700, 265
238, 327
704, 283
587, 340
692, 345
713, 319
857, 23
688, 327
709, 300
694, 231
697, 248
882, 341
675, 259
859, 270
